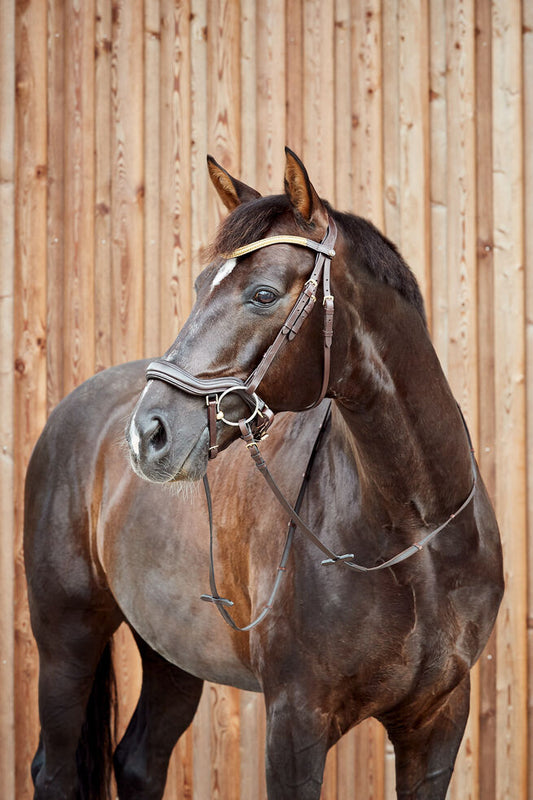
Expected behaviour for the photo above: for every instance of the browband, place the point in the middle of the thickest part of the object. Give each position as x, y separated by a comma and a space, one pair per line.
299, 240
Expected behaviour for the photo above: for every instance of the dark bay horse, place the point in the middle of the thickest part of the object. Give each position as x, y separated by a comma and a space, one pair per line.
392, 467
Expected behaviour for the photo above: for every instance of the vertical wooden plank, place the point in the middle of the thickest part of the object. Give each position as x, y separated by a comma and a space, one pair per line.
294, 71
461, 207
413, 131
344, 120
224, 93
152, 177
103, 166
319, 94
367, 138
486, 367
527, 9
29, 338
251, 32
270, 113
391, 119
200, 184
202, 755
7, 464
462, 285
438, 177
55, 202
225, 726
78, 277
127, 187
347, 778
252, 751
511, 726
175, 160
370, 760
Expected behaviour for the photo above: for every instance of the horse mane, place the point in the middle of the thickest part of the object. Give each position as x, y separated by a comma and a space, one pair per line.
372, 250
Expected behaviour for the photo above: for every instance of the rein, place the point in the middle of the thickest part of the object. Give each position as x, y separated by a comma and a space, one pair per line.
296, 521
254, 428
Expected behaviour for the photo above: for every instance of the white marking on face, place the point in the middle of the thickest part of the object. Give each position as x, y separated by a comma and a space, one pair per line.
135, 439
225, 270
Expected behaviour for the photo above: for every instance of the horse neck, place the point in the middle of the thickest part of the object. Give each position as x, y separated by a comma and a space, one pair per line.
408, 436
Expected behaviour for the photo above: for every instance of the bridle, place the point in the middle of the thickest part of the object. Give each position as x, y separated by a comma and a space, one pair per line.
254, 427
216, 389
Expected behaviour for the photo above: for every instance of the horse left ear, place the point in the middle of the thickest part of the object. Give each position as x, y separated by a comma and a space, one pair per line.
302, 194
231, 191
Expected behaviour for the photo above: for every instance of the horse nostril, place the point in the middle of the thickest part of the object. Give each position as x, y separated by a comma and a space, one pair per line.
158, 438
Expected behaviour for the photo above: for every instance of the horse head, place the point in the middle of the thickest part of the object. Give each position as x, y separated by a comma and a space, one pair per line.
260, 266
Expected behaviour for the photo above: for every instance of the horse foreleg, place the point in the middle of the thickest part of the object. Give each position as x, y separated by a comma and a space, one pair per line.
298, 738
426, 751
167, 704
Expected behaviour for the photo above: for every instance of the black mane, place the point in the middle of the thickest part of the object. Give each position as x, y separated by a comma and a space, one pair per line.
372, 250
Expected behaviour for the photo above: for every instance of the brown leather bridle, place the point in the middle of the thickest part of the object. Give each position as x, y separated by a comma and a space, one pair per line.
254, 427
216, 389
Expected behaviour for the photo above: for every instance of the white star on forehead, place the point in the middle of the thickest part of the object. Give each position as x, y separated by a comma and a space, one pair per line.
225, 270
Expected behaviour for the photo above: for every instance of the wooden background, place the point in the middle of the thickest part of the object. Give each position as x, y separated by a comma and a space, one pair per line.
415, 113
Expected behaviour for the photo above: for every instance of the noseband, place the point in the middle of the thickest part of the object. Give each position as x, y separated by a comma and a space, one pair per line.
216, 389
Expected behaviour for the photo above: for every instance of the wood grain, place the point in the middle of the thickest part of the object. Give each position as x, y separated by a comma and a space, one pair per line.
486, 365
102, 187
367, 117
29, 340
507, 150
78, 278
7, 460
55, 256
127, 182
418, 114
413, 137
528, 259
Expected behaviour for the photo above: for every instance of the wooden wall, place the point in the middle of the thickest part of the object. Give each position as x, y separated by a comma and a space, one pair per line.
415, 113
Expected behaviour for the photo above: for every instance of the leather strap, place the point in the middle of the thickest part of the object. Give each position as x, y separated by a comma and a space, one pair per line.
222, 603
299, 313
212, 425
346, 559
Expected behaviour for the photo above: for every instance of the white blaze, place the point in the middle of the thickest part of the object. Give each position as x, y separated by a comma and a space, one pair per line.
225, 270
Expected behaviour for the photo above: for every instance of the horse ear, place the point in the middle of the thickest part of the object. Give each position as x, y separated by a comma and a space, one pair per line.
302, 194
231, 191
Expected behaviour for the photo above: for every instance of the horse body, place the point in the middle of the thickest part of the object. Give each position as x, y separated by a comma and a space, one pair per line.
338, 646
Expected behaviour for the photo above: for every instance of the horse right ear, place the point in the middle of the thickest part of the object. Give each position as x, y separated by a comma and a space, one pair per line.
302, 194
231, 191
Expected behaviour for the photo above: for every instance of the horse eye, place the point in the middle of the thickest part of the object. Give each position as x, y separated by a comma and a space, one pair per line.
264, 296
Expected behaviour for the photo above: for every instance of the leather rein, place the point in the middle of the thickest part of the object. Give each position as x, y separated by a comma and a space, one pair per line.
254, 427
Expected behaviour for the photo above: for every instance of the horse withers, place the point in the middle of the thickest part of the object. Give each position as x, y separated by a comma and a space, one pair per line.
373, 597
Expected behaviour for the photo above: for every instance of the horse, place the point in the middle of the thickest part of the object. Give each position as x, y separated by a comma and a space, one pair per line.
309, 326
